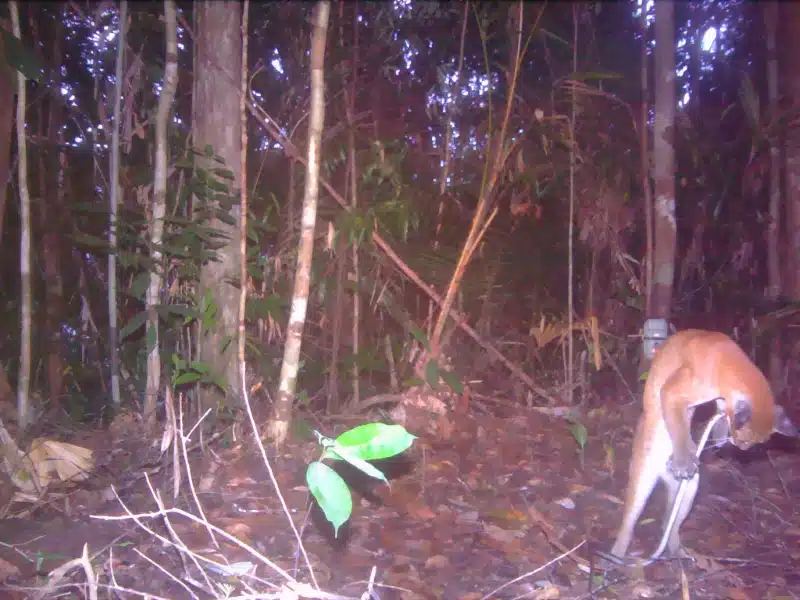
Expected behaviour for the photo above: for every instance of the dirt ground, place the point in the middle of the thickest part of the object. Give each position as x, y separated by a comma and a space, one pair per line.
496, 493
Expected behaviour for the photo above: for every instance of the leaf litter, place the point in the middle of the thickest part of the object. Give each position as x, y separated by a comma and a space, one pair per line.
493, 499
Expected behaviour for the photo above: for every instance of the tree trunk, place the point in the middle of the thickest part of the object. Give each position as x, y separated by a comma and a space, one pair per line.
24, 377
644, 156
282, 413
113, 201
216, 121
159, 212
664, 158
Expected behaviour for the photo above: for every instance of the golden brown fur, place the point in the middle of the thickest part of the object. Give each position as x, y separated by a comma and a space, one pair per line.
693, 367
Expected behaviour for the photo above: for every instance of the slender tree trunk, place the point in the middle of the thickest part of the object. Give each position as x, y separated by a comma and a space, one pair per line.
665, 230
24, 377
217, 124
350, 108
159, 212
242, 337
282, 413
644, 153
114, 204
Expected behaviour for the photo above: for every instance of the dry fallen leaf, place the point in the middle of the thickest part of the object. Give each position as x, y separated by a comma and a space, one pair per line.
578, 488
70, 462
549, 593
437, 562
510, 517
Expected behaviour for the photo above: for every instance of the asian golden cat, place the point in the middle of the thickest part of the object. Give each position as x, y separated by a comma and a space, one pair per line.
693, 367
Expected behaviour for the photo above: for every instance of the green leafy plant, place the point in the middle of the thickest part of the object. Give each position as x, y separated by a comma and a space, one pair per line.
581, 436
371, 441
186, 372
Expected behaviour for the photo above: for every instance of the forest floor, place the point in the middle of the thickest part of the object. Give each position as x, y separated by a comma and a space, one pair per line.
498, 493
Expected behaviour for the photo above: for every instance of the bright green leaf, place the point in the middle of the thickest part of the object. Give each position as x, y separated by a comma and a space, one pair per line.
374, 441
346, 454
331, 493
220, 382
178, 362
188, 377
200, 367
580, 434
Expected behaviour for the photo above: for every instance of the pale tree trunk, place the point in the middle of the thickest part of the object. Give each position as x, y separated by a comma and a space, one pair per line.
24, 378
158, 213
6, 126
216, 121
644, 152
664, 227
282, 411
774, 284
242, 339
114, 204
571, 225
